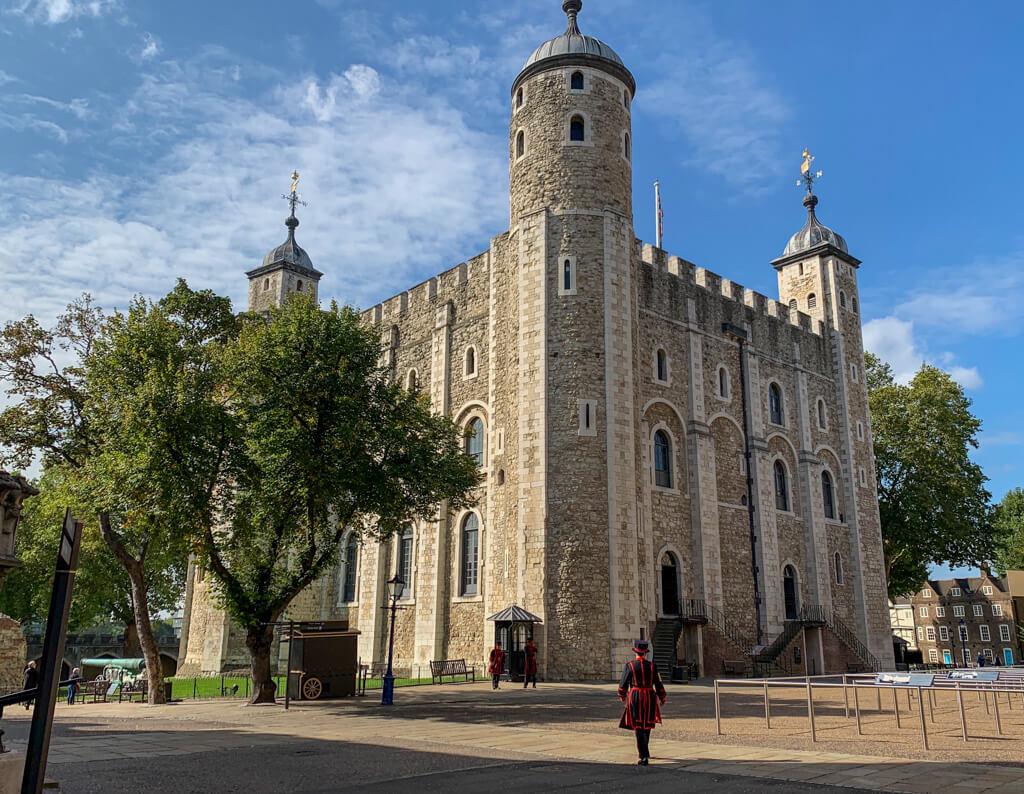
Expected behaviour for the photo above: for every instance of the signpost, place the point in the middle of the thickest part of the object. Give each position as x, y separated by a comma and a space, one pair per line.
53, 654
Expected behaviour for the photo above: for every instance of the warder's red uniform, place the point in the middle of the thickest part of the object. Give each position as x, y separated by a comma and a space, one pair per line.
641, 690
530, 667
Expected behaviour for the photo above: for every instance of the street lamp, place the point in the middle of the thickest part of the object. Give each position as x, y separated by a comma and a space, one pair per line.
396, 586
963, 641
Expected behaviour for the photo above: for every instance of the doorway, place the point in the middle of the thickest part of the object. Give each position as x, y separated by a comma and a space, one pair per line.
669, 584
1007, 657
789, 593
947, 658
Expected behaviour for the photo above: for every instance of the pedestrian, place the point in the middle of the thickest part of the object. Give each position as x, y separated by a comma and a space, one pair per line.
30, 680
76, 676
530, 669
497, 664
981, 660
997, 663
640, 689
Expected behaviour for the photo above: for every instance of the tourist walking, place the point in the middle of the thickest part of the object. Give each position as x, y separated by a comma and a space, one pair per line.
981, 660
530, 667
641, 689
497, 664
76, 676
30, 680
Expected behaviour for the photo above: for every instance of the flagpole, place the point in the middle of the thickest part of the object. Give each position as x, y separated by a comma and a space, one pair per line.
658, 215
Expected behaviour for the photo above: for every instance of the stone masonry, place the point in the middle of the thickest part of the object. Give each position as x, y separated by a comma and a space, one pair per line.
592, 360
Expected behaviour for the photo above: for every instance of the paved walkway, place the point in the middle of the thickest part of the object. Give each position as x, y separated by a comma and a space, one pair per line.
102, 732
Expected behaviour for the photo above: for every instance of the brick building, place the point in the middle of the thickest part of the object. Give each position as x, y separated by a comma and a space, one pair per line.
666, 453
955, 620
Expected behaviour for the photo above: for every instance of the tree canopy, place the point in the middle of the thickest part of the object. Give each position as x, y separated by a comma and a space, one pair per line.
931, 496
1009, 523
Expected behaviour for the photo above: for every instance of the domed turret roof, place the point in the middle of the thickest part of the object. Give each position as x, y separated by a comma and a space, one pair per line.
813, 233
573, 44
289, 252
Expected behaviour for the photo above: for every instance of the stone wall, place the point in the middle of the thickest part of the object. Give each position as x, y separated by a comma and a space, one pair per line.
12, 654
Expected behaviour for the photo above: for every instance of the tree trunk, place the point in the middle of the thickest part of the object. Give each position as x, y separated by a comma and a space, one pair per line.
259, 642
130, 649
140, 602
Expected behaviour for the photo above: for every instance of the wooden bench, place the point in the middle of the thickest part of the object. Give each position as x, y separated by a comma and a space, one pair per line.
734, 667
451, 668
138, 689
96, 690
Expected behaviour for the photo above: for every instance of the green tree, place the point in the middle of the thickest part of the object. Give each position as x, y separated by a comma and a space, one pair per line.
1009, 523
931, 496
325, 442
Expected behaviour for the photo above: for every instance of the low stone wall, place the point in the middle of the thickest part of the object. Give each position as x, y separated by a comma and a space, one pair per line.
12, 654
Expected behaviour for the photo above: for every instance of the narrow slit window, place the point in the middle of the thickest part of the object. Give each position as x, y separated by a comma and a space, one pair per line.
781, 487
723, 383
775, 411
567, 275
828, 496
662, 460
520, 144
822, 415
628, 148
839, 569
661, 365
577, 129
519, 98
470, 362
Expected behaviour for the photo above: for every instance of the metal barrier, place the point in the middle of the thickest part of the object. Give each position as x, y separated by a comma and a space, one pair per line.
1008, 682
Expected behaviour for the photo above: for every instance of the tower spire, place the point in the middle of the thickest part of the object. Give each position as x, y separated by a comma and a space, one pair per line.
572, 8
808, 177
293, 198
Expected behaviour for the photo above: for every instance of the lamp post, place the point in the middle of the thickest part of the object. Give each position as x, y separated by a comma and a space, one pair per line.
963, 641
396, 586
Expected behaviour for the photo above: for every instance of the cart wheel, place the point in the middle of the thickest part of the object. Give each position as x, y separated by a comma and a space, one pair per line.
312, 688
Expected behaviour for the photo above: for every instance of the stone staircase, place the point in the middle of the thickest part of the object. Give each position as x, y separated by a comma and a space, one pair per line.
664, 641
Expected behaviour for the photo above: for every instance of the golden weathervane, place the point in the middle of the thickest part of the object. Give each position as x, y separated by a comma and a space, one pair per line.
808, 176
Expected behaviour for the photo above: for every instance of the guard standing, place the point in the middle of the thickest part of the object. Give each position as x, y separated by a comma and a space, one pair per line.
530, 669
640, 689
497, 664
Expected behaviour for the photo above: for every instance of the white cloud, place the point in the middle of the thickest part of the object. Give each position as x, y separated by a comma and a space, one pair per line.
894, 341
77, 107
55, 12
5, 78
397, 185
150, 47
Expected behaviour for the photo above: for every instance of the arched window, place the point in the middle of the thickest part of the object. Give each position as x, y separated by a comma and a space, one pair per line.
842, 299
839, 568
628, 148
567, 275
812, 301
266, 284
519, 98
350, 562
853, 372
781, 487
661, 365
470, 361
828, 495
723, 383
576, 81
625, 99
413, 380
577, 129
520, 144
662, 460
792, 305
469, 582
822, 415
404, 568
853, 304
775, 408
475, 440
298, 286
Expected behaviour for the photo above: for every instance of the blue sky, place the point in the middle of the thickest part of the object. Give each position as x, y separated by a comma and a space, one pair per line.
147, 139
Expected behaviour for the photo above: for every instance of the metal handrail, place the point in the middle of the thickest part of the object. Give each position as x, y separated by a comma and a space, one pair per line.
697, 608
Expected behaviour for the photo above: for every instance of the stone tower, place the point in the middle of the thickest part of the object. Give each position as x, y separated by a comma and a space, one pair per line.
818, 276
571, 208
286, 269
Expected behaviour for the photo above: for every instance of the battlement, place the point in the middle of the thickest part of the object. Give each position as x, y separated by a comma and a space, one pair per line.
439, 289
724, 288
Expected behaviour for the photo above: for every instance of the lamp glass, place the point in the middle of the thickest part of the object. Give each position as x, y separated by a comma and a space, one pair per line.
396, 586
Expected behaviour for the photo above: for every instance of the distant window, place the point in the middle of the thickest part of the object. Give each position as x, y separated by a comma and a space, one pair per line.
860, 431
470, 361
986, 635
812, 301
577, 129
474, 444
625, 99
839, 567
978, 611
781, 487
940, 612
822, 415
567, 275
350, 561
955, 591
853, 303
853, 372
987, 589
628, 148
926, 594
723, 383
576, 81
405, 560
929, 633
1004, 632
920, 633
923, 612
997, 610
943, 633
963, 631
469, 584
412, 382
792, 305
519, 98
661, 366
775, 409
933, 655
958, 612
827, 497
842, 299
266, 284
520, 144
298, 286
801, 268
662, 460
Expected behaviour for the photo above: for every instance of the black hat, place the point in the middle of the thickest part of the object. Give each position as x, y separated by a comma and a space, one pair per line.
641, 647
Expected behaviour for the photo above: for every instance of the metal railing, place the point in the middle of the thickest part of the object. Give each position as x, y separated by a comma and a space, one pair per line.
695, 608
